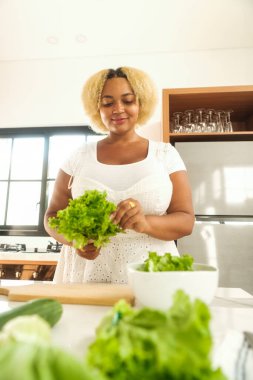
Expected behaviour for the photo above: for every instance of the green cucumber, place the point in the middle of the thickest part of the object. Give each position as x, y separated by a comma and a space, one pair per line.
48, 309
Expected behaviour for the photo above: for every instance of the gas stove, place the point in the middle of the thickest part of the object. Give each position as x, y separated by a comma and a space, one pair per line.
21, 248
54, 247
12, 247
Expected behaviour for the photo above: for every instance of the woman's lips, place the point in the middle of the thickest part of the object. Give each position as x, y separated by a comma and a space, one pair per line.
119, 121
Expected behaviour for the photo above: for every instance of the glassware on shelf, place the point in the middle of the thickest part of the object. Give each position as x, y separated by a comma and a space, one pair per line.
228, 127
176, 126
220, 128
188, 124
201, 120
201, 123
211, 124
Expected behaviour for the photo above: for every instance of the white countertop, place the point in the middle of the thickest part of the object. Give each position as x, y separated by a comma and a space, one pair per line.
232, 309
29, 256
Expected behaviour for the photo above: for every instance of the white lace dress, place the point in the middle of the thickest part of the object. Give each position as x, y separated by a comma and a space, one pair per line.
146, 181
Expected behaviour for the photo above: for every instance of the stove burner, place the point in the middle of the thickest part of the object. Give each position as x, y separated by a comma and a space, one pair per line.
54, 247
12, 247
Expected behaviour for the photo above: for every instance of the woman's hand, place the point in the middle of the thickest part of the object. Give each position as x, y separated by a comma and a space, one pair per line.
129, 215
89, 252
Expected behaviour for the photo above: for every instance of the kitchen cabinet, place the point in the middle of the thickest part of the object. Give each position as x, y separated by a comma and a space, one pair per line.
237, 98
19, 263
27, 271
18, 266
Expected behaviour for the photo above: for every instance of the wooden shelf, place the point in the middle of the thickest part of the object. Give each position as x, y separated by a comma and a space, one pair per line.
235, 136
237, 98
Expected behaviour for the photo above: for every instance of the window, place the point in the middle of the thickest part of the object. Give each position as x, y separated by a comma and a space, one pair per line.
29, 162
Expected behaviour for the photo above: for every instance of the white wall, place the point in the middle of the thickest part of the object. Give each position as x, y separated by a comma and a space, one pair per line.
197, 43
47, 92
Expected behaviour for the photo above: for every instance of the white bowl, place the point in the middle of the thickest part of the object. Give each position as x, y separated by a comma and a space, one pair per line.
156, 289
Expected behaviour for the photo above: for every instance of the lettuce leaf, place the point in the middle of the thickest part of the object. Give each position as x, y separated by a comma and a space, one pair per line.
86, 218
26, 361
27, 353
166, 262
151, 344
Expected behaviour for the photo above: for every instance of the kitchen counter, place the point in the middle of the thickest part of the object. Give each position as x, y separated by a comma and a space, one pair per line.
232, 309
9, 257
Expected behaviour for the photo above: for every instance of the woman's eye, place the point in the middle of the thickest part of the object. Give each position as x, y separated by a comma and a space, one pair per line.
107, 105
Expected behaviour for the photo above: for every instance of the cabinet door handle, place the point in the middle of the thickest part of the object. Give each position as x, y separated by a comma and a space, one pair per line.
18, 274
35, 275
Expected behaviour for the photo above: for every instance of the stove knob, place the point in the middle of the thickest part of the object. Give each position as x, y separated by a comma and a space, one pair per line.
18, 274
2, 273
35, 275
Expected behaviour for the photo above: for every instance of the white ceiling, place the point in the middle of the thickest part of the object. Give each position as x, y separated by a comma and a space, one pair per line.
53, 29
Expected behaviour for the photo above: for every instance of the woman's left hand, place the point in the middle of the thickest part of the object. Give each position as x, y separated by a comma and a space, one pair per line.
89, 251
129, 215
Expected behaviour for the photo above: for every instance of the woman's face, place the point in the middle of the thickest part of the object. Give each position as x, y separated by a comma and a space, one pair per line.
119, 108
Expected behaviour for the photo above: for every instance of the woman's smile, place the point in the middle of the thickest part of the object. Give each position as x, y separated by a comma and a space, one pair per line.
118, 120
119, 105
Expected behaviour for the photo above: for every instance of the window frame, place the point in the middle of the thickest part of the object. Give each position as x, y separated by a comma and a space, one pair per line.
46, 133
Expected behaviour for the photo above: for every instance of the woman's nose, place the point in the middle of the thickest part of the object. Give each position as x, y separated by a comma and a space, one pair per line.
118, 107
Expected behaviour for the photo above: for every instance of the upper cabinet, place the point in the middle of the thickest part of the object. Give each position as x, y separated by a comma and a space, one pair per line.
204, 114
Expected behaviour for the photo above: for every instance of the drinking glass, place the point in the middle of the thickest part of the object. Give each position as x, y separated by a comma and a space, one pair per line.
189, 124
176, 126
197, 126
220, 128
228, 127
201, 123
211, 125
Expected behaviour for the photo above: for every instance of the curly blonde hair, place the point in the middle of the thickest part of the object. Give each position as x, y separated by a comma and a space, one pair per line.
141, 84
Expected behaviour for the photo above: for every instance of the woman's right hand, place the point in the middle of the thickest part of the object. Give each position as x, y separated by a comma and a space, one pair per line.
89, 252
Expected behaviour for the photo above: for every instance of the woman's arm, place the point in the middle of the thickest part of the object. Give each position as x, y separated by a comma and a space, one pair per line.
59, 201
178, 221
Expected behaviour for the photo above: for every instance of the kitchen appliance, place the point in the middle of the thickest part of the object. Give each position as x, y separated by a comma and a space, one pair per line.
12, 247
221, 178
54, 247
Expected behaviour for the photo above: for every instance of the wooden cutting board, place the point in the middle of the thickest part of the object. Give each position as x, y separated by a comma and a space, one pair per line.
83, 294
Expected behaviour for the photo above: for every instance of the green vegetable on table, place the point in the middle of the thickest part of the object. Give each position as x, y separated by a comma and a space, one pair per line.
166, 262
27, 353
86, 218
26, 328
48, 309
27, 361
151, 344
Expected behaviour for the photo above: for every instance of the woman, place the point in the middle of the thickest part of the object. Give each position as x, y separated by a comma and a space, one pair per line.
146, 179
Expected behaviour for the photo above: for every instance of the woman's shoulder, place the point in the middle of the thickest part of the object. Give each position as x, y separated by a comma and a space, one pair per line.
160, 146
77, 157
168, 154
83, 149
